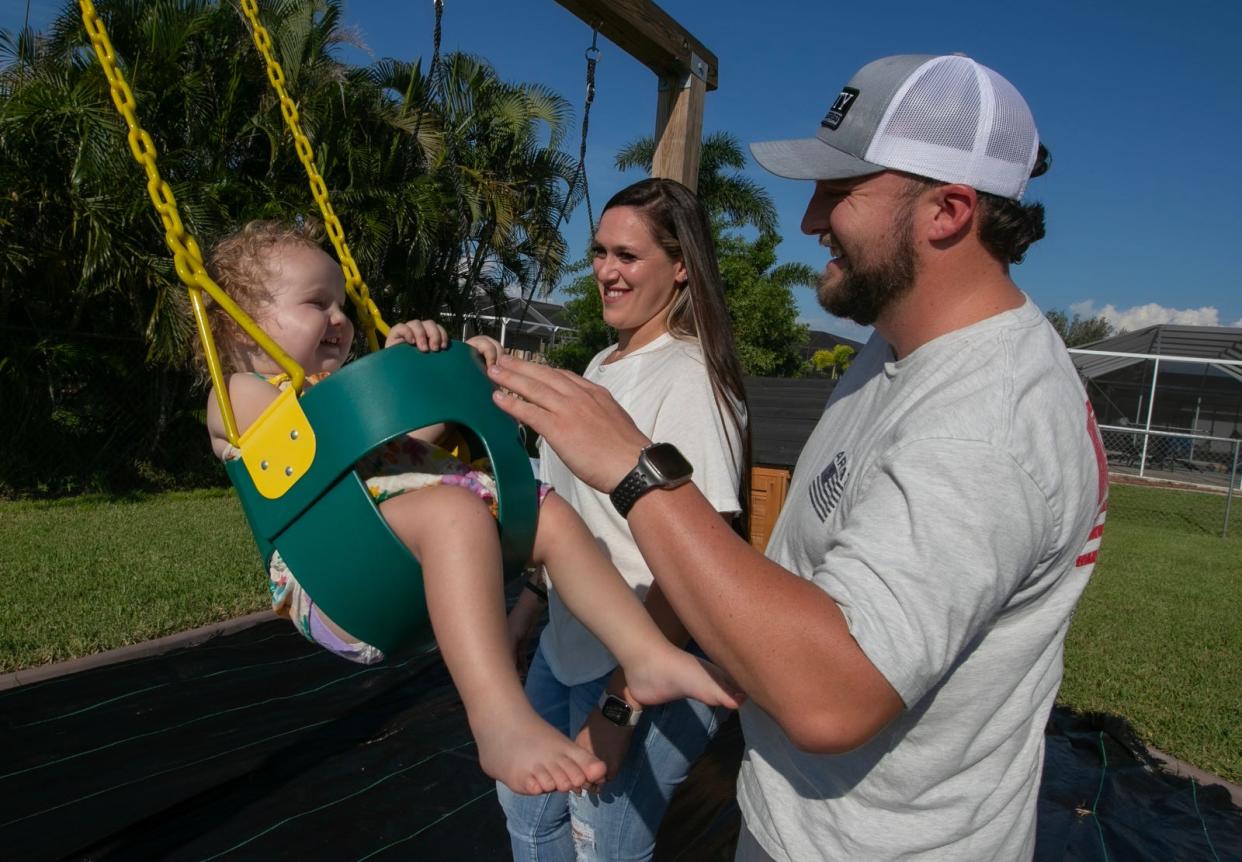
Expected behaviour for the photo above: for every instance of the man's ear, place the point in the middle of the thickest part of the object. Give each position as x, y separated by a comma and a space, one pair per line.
955, 207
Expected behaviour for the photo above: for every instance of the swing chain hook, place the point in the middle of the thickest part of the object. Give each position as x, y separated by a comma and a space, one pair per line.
592, 53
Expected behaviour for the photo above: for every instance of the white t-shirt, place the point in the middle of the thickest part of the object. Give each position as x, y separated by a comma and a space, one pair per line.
665, 388
951, 504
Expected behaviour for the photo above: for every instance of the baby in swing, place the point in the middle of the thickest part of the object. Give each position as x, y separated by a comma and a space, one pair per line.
443, 510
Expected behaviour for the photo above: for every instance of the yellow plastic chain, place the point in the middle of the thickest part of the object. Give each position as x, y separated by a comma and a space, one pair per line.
368, 314
187, 257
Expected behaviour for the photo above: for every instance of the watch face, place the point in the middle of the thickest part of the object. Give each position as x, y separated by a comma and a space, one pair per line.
667, 461
616, 710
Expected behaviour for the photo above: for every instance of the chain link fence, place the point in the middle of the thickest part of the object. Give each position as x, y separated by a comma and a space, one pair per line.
1208, 464
1172, 417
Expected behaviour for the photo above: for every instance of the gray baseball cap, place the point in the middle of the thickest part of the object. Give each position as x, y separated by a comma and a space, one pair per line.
945, 117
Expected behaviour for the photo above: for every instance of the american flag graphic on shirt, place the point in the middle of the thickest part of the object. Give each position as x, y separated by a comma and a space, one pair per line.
1091, 550
826, 488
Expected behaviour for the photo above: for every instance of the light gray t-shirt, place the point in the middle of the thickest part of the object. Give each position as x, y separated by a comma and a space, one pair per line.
951, 504
665, 388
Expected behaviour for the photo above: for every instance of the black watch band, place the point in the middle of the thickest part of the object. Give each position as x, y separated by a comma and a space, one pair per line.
659, 465
627, 492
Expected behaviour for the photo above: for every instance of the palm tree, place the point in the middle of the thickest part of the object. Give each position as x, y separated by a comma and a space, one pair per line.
441, 185
835, 361
730, 198
96, 332
509, 175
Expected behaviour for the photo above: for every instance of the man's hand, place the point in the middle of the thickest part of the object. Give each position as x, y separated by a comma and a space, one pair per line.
594, 436
426, 335
489, 347
607, 741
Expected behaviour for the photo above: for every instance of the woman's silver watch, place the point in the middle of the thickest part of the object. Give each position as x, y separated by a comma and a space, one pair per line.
616, 710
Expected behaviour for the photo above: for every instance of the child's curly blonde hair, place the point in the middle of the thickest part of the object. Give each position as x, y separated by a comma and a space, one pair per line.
240, 264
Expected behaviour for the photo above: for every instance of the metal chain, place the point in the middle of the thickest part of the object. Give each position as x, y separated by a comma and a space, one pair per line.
187, 257
368, 314
431, 71
592, 58
435, 41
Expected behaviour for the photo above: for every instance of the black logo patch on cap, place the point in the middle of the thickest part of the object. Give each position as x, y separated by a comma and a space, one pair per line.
840, 108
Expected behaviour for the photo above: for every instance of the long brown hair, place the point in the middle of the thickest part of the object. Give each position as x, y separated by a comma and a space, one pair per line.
680, 225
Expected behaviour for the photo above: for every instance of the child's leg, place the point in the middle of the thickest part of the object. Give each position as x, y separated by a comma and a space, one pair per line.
453, 535
594, 591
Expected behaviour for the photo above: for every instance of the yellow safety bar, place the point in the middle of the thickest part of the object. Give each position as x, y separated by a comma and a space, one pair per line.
187, 257
368, 314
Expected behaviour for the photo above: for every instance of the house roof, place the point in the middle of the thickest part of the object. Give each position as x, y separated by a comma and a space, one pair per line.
783, 413
539, 316
1165, 339
819, 340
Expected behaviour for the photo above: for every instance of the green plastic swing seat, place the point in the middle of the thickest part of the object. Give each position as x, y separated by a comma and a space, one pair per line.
327, 527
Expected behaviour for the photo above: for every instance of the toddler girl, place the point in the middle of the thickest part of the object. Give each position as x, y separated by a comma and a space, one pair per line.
443, 511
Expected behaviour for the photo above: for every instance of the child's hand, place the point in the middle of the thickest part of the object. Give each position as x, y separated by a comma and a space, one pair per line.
426, 335
489, 347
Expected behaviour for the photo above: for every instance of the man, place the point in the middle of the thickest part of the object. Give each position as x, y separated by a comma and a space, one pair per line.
902, 645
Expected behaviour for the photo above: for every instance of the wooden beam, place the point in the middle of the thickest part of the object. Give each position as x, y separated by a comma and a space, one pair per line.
679, 130
648, 34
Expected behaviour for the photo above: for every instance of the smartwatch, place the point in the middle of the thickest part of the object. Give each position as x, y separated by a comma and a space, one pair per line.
616, 710
660, 465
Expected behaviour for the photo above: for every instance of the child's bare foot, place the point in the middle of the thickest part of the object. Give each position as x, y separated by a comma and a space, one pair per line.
529, 756
669, 673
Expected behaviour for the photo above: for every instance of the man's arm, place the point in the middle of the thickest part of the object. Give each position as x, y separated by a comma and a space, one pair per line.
781, 637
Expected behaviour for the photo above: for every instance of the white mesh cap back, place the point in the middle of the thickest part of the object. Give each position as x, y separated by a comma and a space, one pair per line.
956, 121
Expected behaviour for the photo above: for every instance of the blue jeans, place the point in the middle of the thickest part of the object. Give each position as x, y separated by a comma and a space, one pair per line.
621, 821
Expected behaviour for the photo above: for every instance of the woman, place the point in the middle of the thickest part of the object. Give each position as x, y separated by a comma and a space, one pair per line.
675, 371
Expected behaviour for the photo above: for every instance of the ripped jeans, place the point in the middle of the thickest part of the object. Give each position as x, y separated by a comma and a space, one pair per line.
619, 823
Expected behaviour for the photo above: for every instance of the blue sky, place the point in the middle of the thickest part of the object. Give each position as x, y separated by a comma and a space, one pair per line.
1140, 103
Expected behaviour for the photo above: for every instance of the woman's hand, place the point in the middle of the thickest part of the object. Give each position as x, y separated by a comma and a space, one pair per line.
426, 335
607, 741
488, 346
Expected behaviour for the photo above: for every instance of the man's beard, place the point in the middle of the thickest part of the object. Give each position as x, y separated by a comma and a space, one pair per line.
865, 290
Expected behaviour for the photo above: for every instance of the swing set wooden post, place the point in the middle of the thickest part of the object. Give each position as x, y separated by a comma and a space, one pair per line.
686, 70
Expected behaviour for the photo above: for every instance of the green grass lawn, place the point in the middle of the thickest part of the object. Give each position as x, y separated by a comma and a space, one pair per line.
1156, 639
88, 574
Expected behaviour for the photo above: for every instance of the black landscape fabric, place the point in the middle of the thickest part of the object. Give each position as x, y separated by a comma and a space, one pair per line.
258, 745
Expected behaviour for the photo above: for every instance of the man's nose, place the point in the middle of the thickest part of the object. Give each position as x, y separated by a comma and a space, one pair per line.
815, 219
